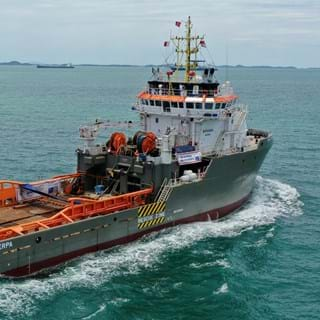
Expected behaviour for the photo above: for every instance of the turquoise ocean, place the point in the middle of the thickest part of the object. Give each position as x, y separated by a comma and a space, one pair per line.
262, 262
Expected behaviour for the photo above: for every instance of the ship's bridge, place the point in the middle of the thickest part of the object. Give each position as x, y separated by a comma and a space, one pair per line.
186, 99
186, 106
193, 116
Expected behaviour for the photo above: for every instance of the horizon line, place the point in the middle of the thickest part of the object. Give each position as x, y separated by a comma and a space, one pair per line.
18, 63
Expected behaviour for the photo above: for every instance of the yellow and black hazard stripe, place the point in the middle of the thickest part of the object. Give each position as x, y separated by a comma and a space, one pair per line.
151, 223
151, 208
151, 214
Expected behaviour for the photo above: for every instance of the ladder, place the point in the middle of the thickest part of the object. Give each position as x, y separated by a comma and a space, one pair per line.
241, 119
164, 191
217, 147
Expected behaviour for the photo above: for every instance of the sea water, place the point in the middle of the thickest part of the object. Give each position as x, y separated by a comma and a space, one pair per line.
262, 262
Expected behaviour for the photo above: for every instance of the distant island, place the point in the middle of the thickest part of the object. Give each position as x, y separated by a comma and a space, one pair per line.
17, 63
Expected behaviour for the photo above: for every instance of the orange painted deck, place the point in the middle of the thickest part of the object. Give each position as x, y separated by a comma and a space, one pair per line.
41, 214
13, 216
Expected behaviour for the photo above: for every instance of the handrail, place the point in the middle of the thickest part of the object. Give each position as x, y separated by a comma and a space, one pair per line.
75, 212
182, 92
181, 95
8, 188
60, 177
164, 182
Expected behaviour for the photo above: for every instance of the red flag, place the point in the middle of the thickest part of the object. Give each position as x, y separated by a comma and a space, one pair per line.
178, 24
166, 44
203, 43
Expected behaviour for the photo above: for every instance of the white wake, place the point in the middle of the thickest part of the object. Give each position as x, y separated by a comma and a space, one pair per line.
270, 200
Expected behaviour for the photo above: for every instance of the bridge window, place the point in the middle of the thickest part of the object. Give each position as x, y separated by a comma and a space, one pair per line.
166, 106
218, 105
174, 104
223, 105
198, 105
208, 106
158, 103
181, 105
190, 105
151, 102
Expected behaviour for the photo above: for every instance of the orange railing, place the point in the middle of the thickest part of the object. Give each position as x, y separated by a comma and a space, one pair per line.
79, 209
8, 189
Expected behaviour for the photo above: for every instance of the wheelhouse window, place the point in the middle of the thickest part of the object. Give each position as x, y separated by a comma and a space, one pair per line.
174, 104
158, 103
208, 106
151, 102
166, 106
218, 105
223, 105
181, 105
190, 105
198, 105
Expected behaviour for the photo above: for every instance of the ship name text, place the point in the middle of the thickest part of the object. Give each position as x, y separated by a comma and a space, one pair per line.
151, 217
6, 245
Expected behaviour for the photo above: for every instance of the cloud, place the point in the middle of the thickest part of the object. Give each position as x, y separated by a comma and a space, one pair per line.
123, 31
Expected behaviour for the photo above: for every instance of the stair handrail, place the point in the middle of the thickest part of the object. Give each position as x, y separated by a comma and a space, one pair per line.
164, 182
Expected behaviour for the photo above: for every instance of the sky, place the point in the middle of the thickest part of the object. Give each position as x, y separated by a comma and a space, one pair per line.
253, 32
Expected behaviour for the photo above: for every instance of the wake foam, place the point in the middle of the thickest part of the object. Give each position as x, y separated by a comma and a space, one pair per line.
223, 289
270, 200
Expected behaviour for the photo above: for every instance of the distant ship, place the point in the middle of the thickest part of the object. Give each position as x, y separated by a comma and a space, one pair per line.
56, 66
194, 159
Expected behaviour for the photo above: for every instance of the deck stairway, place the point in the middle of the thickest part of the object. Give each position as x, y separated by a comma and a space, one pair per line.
164, 191
241, 119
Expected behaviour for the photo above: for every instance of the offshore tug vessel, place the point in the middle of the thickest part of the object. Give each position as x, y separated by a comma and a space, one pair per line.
194, 159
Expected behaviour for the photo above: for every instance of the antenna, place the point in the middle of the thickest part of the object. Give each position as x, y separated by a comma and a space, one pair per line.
227, 62
188, 49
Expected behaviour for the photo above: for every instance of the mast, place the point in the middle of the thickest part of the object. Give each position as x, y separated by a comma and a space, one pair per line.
188, 49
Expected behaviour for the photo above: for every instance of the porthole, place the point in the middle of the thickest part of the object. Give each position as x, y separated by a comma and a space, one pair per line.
38, 239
